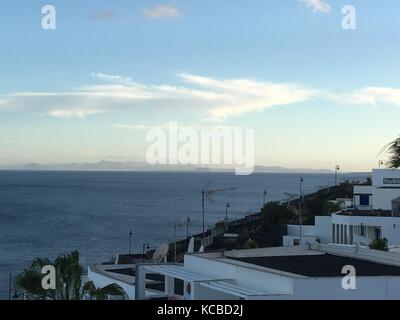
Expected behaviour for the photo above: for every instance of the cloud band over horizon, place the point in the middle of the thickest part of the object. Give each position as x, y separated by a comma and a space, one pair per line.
214, 99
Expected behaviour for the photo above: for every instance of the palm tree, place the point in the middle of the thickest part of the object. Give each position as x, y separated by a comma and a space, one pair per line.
393, 148
112, 290
68, 279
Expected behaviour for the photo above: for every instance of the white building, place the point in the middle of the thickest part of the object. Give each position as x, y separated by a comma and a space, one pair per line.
385, 188
374, 215
320, 232
285, 273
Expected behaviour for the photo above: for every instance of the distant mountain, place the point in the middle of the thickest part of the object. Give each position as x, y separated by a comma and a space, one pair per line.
279, 169
142, 166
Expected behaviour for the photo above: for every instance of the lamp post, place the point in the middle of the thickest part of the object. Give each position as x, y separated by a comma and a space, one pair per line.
187, 227
300, 207
264, 196
9, 287
337, 168
130, 241
227, 205
144, 249
203, 195
380, 163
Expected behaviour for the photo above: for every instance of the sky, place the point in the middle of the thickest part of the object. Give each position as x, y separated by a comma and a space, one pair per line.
316, 94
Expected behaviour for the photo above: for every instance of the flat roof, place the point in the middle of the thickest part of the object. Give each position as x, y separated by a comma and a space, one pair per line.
365, 213
320, 265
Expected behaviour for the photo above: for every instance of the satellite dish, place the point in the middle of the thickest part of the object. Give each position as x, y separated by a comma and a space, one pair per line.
191, 245
201, 249
160, 255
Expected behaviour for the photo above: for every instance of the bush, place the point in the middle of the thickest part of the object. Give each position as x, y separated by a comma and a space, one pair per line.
329, 207
250, 244
275, 213
379, 244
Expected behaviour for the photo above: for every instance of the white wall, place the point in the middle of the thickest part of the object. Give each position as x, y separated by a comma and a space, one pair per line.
256, 280
323, 228
379, 174
101, 281
390, 226
368, 288
288, 241
294, 230
382, 198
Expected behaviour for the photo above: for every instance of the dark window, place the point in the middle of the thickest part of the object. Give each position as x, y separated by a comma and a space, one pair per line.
364, 200
391, 181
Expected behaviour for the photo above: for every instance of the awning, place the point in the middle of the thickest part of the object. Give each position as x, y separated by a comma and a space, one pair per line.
179, 272
217, 284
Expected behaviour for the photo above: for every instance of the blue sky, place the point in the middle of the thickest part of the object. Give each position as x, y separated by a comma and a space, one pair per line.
316, 94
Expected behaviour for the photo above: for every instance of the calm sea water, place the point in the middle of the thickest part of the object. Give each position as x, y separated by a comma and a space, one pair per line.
48, 213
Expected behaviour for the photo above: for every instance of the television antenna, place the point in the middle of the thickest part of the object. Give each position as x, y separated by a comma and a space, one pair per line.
207, 194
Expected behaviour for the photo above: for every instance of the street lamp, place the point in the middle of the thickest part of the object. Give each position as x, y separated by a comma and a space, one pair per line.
130, 241
187, 227
300, 207
380, 163
227, 205
144, 250
337, 168
264, 195
203, 195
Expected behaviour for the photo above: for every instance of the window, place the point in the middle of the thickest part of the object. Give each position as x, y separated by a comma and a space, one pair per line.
391, 181
364, 200
362, 230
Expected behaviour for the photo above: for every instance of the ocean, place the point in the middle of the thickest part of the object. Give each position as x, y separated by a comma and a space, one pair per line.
45, 213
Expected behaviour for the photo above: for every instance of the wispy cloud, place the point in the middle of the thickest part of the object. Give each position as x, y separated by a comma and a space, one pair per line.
72, 113
198, 97
317, 5
138, 127
104, 15
209, 98
162, 11
368, 96
244, 95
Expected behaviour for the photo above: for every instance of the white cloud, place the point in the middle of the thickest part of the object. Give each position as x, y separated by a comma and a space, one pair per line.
244, 95
138, 127
368, 96
104, 15
317, 5
207, 98
162, 11
72, 113
203, 98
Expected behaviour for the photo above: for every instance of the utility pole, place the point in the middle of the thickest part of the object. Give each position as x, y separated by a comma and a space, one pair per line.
176, 227
130, 241
187, 227
203, 199
337, 168
144, 249
227, 205
203, 195
300, 208
9, 287
264, 196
